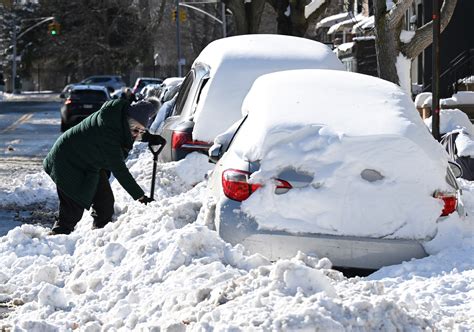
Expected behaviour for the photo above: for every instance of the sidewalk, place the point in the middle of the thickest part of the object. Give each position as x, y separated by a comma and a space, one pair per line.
45, 96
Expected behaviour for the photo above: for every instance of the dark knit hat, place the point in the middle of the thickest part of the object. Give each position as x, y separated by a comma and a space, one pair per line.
142, 112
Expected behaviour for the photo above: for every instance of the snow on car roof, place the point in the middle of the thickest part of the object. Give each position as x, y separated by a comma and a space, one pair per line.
350, 103
235, 62
374, 164
172, 80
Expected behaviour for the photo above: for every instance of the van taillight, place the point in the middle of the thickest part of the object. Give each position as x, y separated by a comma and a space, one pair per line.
450, 202
178, 138
236, 187
68, 101
184, 140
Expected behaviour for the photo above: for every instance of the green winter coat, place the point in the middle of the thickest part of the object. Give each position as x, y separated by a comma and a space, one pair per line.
101, 141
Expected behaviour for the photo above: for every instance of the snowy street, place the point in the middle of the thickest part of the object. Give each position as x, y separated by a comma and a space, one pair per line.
28, 127
162, 267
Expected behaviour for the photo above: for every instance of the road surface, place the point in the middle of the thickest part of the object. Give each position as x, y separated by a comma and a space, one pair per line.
28, 129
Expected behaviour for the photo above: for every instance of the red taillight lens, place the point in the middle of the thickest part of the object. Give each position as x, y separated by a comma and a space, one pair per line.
178, 138
235, 185
450, 202
183, 140
68, 101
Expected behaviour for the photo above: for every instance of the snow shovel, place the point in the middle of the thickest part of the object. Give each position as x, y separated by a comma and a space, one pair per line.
156, 143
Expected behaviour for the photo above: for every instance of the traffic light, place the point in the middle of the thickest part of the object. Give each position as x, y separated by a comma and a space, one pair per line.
53, 28
182, 15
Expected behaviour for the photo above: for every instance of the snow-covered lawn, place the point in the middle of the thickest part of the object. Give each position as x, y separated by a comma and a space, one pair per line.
160, 266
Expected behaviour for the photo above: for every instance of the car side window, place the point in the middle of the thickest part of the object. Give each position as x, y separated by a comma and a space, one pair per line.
183, 93
239, 125
201, 88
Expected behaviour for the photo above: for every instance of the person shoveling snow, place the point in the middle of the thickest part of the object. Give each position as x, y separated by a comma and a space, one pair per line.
82, 159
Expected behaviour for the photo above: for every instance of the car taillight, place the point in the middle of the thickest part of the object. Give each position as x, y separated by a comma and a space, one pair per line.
450, 202
183, 140
236, 187
68, 101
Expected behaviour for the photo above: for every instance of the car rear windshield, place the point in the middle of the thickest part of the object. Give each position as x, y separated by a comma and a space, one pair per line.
98, 80
89, 95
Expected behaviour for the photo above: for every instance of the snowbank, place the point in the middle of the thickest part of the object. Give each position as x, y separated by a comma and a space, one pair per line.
158, 266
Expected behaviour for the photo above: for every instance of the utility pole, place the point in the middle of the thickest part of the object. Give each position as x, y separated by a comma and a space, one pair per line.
435, 77
178, 41
15, 39
224, 21
14, 56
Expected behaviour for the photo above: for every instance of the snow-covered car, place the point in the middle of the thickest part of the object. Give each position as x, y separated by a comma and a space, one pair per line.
141, 82
211, 94
457, 138
169, 88
149, 90
341, 166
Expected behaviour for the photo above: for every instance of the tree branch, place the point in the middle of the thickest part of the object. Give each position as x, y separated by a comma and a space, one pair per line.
424, 35
397, 12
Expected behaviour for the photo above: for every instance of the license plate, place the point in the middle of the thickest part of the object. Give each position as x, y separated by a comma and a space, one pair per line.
87, 106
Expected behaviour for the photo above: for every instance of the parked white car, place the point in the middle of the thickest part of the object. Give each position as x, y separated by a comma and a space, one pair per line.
335, 164
211, 95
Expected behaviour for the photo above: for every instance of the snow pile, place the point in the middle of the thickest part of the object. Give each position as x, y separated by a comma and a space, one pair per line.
452, 120
371, 153
33, 189
31, 96
158, 266
459, 98
314, 209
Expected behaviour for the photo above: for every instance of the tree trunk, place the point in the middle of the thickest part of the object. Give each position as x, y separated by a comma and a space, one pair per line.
387, 42
246, 16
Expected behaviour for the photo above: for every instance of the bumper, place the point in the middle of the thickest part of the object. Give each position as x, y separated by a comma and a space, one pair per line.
343, 251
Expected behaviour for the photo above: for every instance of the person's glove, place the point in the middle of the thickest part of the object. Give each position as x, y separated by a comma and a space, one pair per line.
153, 139
145, 199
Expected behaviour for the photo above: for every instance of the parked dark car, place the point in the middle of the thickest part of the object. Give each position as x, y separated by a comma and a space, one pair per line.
80, 102
111, 82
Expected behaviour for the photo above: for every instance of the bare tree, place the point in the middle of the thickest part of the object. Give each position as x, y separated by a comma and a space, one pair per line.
392, 48
246, 15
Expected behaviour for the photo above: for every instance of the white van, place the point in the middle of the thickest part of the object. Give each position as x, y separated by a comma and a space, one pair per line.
211, 94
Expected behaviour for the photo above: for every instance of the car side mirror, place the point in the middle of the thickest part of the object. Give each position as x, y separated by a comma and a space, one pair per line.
215, 153
455, 168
